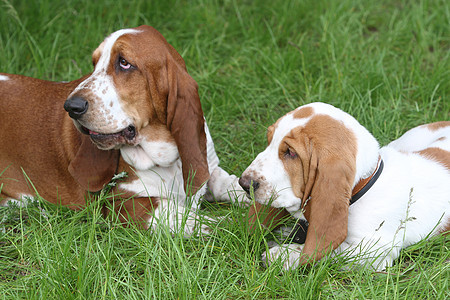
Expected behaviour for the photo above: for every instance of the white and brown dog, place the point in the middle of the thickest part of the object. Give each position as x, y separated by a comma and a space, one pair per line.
138, 112
320, 160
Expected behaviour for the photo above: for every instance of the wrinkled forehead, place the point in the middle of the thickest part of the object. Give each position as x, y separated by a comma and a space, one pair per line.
112, 38
302, 115
103, 51
287, 123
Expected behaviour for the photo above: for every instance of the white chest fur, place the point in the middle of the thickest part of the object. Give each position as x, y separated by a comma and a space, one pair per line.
158, 167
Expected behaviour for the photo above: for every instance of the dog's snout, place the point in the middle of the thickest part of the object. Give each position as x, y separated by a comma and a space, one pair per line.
76, 107
246, 183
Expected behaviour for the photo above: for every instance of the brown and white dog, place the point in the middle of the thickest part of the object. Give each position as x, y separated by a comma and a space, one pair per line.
318, 160
138, 112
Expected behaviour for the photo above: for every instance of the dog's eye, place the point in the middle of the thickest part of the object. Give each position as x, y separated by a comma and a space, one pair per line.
124, 64
290, 153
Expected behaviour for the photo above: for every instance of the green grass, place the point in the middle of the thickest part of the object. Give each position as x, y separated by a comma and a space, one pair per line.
384, 62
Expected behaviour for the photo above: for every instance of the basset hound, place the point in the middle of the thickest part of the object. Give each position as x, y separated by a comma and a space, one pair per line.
138, 112
324, 168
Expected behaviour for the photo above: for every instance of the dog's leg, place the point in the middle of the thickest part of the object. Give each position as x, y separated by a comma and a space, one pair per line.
221, 185
224, 187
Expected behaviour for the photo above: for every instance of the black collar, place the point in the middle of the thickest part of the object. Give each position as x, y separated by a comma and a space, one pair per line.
365, 184
298, 233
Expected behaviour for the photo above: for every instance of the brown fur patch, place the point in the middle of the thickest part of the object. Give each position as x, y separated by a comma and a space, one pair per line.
57, 140
303, 112
132, 210
91, 167
437, 154
438, 125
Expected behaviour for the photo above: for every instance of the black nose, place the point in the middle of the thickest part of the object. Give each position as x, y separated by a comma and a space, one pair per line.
247, 182
76, 107
130, 132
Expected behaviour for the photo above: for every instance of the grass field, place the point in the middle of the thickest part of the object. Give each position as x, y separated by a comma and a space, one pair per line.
385, 62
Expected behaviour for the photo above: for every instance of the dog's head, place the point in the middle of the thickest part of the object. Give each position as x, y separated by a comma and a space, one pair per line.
316, 154
141, 98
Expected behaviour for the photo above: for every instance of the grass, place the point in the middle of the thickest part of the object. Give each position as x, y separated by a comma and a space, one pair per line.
384, 62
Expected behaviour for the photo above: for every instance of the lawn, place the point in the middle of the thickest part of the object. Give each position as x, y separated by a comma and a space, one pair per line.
385, 62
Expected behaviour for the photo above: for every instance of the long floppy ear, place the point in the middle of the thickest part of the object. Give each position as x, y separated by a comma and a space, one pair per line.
327, 208
270, 217
186, 123
91, 167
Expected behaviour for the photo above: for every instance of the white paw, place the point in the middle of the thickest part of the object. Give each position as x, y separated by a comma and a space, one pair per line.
224, 187
287, 254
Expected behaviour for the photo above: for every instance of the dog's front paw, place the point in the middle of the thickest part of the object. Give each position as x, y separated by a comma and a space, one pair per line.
224, 187
287, 254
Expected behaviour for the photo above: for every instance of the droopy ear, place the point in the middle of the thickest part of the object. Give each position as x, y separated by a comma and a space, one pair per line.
270, 217
186, 123
327, 209
91, 167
